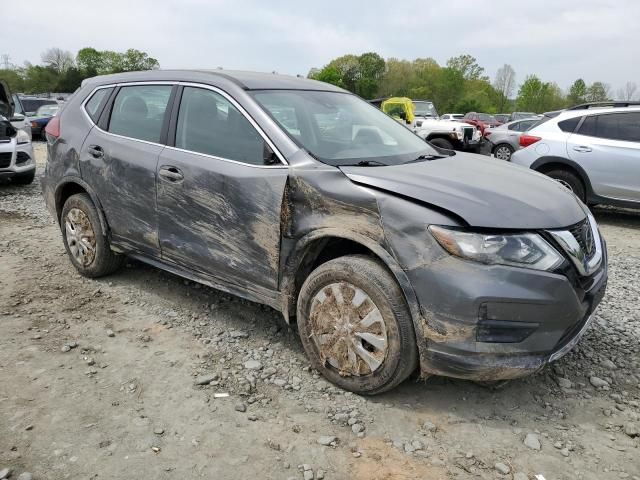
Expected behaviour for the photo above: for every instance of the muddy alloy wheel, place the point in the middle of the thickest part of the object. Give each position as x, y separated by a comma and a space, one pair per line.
348, 329
80, 237
355, 325
86, 244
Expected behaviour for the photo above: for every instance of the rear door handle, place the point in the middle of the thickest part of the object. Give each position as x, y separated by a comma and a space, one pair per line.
582, 148
95, 151
170, 173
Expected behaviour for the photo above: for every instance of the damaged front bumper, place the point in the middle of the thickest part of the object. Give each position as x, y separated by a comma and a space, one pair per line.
488, 323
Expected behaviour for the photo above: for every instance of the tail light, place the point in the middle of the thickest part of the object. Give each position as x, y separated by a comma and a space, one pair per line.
526, 140
53, 127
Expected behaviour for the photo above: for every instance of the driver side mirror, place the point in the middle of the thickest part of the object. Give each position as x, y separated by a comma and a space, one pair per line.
268, 155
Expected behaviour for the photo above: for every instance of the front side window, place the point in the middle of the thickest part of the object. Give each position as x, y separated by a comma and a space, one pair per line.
138, 111
341, 129
209, 123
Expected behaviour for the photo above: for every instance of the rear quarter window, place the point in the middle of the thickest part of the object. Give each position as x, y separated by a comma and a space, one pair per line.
96, 103
569, 125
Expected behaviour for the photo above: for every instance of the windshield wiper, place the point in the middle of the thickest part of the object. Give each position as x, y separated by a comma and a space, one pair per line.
366, 163
425, 157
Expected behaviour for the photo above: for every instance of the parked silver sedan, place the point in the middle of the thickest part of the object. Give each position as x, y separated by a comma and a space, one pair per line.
505, 139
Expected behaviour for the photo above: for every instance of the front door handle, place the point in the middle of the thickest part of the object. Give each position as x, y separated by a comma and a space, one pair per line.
95, 151
582, 148
170, 173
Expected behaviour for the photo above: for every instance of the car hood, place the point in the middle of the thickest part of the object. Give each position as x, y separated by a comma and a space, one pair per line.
483, 192
6, 102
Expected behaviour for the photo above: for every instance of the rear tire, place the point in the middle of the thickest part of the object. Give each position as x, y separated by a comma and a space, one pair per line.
85, 242
355, 325
24, 178
569, 180
441, 143
503, 151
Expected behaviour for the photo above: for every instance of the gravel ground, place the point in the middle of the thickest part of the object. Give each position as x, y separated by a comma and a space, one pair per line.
145, 375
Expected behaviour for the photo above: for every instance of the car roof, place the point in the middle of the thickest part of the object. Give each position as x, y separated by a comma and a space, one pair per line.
245, 80
563, 114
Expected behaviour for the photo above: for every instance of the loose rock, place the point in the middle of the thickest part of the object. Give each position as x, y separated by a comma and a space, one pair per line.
532, 441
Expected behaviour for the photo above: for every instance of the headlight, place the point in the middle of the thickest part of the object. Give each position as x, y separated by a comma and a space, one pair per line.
23, 137
527, 250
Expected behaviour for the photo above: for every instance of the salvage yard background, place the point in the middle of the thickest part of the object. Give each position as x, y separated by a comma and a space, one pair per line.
145, 375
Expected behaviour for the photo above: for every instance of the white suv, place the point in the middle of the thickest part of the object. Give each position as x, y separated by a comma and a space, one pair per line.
592, 149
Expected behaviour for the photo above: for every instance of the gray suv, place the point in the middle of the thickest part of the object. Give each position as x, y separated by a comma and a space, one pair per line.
389, 255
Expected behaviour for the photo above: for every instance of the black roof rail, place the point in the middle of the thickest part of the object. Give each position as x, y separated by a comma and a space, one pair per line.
612, 104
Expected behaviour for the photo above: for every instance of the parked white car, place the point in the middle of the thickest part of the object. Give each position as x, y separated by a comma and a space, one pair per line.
449, 134
16, 152
592, 149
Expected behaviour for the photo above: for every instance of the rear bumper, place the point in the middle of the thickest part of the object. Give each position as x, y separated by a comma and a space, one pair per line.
494, 323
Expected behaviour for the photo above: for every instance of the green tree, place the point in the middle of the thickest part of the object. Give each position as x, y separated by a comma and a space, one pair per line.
90, 62
329, 75
371, 68
14, 79
577, 92
57, 59
597, 92
467, 66
134, 60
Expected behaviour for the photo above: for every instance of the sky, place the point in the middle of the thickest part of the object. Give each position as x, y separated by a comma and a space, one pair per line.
559, 40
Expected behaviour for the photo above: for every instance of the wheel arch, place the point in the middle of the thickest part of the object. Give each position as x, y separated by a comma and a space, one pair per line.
546, 164
74, 185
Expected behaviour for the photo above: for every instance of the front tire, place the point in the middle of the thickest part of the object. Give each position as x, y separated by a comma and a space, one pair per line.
84, 240
570, 181
355, 325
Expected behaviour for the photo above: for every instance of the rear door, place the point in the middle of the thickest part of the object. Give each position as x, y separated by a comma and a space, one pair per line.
607, 146
119, 159
219, 202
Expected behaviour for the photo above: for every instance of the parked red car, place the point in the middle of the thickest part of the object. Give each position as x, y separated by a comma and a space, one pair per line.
481, 120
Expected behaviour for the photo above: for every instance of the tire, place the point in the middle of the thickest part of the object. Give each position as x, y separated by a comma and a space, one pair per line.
503, 151
84, 240
441, 143
570, 181
347, 360
24, 178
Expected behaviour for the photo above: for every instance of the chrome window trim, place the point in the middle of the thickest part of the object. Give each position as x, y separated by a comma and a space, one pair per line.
224, 94
115, 85
246, 115
572, 248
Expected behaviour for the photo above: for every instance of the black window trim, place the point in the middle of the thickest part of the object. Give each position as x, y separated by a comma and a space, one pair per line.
577, 130
173, 123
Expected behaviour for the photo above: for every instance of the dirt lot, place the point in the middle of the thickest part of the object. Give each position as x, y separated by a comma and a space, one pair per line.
99, 380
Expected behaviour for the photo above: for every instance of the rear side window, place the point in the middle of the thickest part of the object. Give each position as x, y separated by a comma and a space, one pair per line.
514, 126
96, 103
208, 123
138, 111
569, 125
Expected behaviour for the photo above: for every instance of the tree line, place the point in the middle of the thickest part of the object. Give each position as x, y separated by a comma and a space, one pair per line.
460, 85
63, 72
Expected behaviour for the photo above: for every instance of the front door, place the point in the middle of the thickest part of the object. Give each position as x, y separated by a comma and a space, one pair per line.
607, 146
219, 204
120, 162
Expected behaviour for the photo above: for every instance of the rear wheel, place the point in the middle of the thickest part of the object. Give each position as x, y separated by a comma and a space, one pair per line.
503, 152
355, 325
570, 181
84, 240
442, 143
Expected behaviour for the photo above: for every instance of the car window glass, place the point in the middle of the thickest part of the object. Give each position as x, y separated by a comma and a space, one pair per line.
138, 111
588, 127
619, 126
208, 123
514, 126
93, 106
524, 126
570, 125
18, 105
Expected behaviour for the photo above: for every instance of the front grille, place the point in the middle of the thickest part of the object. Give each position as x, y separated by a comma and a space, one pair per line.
468, 133
5, 159
22, 157
584, 236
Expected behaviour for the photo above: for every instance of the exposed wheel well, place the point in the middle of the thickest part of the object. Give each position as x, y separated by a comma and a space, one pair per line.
67, 190
318, 252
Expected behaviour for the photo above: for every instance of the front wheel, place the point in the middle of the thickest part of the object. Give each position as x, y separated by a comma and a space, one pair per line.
355, 325
503, 152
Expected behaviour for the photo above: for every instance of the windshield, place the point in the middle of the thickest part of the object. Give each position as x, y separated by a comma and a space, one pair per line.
31, 105
47, 110
425, 109
340, 128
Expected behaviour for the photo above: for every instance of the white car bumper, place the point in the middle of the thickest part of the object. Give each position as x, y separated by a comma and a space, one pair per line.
16, 158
